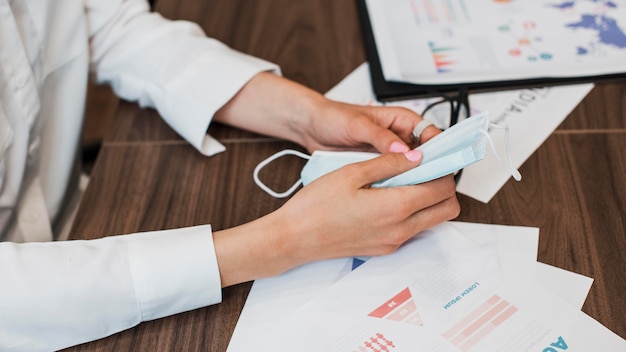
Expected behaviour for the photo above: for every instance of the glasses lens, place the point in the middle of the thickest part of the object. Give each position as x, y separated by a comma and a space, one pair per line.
442, 111
446, 112
439, 113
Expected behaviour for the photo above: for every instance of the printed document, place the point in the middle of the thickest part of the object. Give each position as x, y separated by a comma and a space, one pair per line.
274, 299
445, 293
463, 41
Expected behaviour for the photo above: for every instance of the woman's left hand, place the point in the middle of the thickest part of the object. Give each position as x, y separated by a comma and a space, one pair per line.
341, 126
275, 106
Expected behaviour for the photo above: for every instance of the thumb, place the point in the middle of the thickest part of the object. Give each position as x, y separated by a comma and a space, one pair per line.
387, 141
385, 166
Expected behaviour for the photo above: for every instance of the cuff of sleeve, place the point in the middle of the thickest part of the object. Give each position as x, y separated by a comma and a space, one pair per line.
174, 270
208, 83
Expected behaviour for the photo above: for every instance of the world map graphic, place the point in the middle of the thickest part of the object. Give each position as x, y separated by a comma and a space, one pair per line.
607, 29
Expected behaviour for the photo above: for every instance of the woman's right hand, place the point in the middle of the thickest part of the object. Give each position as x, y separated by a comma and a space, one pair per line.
337, 215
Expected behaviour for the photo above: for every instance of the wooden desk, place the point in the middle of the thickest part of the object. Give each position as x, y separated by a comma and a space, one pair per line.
147, 178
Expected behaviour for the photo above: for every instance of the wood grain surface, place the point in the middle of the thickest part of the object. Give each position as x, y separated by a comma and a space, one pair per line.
148, 178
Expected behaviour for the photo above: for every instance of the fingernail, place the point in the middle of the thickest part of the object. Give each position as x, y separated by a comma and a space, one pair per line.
397, 147
413, 155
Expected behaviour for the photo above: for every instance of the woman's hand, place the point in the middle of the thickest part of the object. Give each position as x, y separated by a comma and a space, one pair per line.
275, 106
337, 215
340, 126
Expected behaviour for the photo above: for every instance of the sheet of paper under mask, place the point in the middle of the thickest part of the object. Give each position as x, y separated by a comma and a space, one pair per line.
510, 241
272, 300
531, 114
444, 293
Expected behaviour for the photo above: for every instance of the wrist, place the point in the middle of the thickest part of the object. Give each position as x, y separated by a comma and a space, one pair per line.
255, 250
306, 107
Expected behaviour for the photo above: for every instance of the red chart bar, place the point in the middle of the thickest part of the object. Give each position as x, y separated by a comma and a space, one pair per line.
391, 304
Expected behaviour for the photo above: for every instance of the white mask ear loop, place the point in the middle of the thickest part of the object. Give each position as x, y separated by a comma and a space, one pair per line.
263, 163
509, 163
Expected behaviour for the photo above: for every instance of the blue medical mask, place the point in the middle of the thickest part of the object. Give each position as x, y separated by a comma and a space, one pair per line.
450, 151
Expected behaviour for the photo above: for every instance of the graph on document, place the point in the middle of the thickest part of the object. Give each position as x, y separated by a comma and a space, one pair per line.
443, 56
400, 307
479, 323
526, 41
439, 12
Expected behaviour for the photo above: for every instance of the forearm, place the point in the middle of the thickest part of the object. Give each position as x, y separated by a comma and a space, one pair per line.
272, 105
254, 250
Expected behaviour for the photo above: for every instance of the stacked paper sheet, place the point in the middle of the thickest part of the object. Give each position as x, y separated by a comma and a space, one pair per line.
458, 286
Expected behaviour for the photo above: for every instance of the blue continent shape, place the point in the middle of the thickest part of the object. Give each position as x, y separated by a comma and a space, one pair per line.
607, 28
564, 5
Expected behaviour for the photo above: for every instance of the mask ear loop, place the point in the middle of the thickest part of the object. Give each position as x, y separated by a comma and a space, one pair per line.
264, 163
509, 163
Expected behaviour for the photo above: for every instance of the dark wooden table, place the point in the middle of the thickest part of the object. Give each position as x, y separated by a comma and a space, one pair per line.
147, 178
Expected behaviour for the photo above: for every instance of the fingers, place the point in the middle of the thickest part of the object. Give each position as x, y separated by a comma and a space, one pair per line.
398, 124
402, 121
384, 166
403, 202
446, 210
381, 137
417, 208
428, 133
387, 141
344, 218
443, 205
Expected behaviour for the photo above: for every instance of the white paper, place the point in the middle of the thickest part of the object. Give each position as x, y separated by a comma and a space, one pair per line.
440, 292
515, 244
272, 300
531, 115
570, 287
462, 41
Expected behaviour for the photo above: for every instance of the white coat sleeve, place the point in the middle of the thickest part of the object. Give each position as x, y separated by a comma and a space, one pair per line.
168, 65
59, 294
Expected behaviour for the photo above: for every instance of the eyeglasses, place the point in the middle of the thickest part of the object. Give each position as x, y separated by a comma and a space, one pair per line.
448, 111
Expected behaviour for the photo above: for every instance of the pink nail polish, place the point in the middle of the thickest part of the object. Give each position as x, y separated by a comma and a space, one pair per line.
397, 147
413, 155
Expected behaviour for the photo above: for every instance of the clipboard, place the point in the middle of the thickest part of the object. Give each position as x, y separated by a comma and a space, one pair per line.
385, 90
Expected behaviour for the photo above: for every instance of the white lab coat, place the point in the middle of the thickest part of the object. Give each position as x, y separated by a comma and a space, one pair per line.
58, 294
